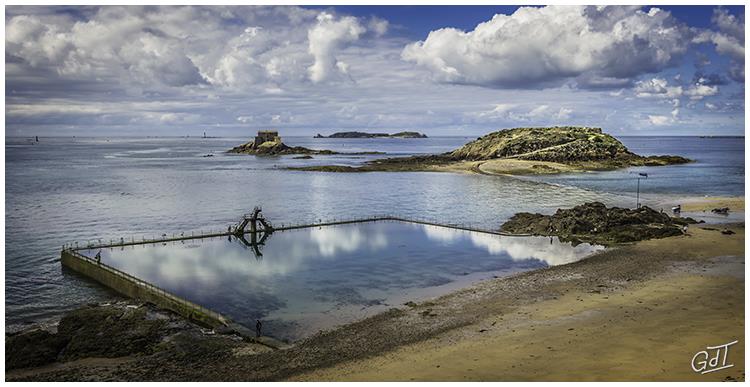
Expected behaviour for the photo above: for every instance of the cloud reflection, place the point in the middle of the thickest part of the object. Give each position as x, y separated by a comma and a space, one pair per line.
516, 248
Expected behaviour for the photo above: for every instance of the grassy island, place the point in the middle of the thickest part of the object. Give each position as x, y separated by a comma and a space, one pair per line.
522, 151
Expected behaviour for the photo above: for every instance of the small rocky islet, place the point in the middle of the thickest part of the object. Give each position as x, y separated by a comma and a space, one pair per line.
268, 143
405, 134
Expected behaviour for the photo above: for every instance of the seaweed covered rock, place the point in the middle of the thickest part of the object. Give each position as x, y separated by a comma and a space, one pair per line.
595, 223
32, 348
90, 331
108, 332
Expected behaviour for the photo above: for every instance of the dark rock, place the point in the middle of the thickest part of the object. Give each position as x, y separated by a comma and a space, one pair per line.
722, 210
595, 223
727, 232
32, 348
108, 332
276, 148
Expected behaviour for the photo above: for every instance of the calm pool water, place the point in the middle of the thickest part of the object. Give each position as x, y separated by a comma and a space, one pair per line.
316, 278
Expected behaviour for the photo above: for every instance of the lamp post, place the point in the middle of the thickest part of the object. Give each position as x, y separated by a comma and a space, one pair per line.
638, 189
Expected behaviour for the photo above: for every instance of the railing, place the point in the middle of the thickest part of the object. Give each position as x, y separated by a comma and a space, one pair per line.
153, 288
281, 227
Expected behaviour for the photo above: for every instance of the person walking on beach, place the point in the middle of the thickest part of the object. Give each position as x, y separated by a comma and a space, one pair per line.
258, 325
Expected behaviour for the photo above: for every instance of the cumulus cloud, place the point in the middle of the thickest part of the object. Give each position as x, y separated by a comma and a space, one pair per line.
699, 91
113, 45
325, 38
524, 113
233, 47
656, 87
729, 40
660, 88
711, 79
604, 46
658, 120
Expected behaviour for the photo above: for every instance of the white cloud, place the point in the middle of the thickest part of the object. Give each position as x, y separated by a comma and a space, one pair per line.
535, 114
660, 120
232, 47
656, 87
699, 91
550, 44
729, 40
660, 88
378, 26
325, 38
139, 70
564, 113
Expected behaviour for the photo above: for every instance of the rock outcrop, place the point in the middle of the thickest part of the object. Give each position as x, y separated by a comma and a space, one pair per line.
97, 331
561, 144
595, 223
276, 148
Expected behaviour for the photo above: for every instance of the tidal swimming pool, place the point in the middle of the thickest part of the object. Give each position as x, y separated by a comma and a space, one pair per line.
315, 278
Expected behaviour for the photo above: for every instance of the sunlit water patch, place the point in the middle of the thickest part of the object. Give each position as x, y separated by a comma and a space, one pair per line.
316, 278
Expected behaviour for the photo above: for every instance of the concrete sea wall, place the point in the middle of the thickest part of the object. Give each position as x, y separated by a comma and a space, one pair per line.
133, 287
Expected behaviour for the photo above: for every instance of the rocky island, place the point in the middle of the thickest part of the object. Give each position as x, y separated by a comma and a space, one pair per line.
268, 143
372, 135
523, 151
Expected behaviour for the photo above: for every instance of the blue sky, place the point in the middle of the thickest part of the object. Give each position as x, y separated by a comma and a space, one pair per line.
442, 70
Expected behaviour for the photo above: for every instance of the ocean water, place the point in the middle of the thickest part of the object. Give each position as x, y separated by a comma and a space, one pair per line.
718, 168
315, 278
62, 190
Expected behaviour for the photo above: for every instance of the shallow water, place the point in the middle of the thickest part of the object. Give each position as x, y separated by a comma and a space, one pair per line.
77, 189
316, 278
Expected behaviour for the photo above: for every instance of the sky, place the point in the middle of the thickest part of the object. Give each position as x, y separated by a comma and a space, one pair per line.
440, 70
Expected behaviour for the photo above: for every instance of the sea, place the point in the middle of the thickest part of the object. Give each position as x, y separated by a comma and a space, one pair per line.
63, 190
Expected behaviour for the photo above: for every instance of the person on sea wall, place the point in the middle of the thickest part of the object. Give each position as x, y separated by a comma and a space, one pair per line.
98, 257
258, 325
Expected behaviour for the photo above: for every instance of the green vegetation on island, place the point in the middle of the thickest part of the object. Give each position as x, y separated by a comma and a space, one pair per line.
523, 151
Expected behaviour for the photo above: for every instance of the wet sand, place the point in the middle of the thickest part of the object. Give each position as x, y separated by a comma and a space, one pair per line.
633, 331
706, 204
